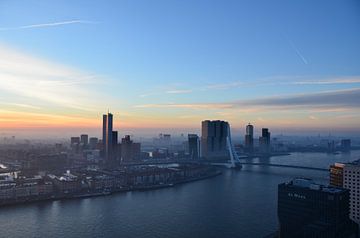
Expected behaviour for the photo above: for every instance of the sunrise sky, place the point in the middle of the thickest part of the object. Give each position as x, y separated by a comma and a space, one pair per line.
292, 66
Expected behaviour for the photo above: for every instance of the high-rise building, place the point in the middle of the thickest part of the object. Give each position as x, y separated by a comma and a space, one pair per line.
130, 151
214, 139
351, 181
306, 209
194, 146
264, 141
249, 138
107, 136
347, 175
84, 139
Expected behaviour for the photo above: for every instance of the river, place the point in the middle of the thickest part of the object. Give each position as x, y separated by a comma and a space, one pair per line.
234, 204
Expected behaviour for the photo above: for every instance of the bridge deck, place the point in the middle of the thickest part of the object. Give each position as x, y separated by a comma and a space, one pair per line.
285, 166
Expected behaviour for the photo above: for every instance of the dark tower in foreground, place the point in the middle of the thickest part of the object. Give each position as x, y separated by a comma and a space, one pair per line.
107, 136
307, 210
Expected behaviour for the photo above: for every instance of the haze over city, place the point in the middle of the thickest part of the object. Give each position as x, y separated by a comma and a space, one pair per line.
180, 118
172, 64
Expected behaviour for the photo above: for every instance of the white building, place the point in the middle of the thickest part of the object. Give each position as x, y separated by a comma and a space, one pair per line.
352, 182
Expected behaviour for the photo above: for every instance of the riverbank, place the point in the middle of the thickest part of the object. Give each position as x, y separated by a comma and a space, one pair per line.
105, 192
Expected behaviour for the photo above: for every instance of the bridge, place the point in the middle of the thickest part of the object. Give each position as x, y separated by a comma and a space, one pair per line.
285, 166
218, 163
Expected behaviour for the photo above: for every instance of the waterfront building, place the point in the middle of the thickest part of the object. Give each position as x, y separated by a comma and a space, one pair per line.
84, 139
130, 151
24, 189
264, 141
214, 139
194, 146
107, 136
249, 138
306, 209
66, 183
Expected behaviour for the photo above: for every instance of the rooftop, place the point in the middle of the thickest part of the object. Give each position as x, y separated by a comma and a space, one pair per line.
310, 184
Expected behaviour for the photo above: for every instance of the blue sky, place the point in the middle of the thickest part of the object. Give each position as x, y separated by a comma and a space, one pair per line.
174, 63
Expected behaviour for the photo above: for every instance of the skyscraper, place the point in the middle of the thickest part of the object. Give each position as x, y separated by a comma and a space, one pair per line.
194, 146
306, 210
249, 138
107, 136
264, 141
213, 139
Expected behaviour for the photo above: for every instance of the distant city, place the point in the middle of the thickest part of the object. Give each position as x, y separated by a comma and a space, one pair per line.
90, 166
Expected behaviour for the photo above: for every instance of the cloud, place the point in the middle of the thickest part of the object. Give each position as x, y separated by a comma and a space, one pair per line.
348, 98
27, 78
225, 85
284, 80
189, 106
329, 100
329, 81
22, 105
179, 91
51, 24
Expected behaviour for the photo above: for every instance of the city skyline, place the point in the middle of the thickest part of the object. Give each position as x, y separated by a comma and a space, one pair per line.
171, 65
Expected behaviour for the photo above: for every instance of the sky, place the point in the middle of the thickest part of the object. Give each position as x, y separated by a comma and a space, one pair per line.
166, 65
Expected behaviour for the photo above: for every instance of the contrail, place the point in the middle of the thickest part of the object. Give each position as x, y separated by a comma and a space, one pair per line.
47, 25
292, 44
298, 52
